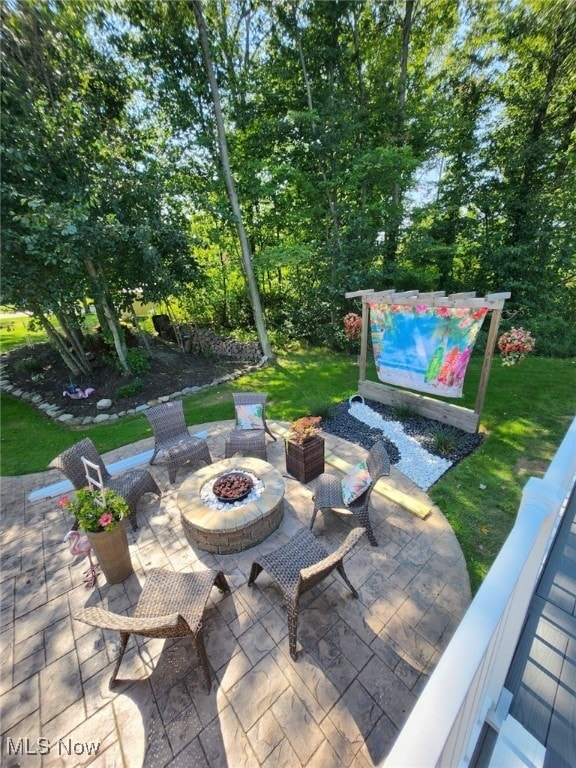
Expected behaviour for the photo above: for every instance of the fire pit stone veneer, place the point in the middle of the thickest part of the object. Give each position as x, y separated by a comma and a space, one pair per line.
234, 528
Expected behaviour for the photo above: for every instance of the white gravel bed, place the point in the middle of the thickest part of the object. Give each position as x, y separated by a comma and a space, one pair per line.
422, 467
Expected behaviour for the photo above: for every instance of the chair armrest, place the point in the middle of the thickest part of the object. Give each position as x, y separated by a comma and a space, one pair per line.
100, 617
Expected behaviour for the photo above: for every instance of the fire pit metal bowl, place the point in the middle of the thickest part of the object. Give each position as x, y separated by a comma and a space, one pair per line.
233, 486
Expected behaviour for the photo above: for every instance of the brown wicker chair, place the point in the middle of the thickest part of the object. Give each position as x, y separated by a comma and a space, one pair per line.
172, 438
299, 565
248, 442
130, 485
171, 605
328, 491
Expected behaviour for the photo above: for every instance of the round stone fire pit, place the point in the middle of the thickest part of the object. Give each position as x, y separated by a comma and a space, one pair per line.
237, 525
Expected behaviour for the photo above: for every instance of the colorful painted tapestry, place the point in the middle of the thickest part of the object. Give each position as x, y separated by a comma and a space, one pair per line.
424, 348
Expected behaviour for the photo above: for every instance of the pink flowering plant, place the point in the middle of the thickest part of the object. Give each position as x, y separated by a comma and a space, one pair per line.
305, 428
352, 326
515, 344
94, 514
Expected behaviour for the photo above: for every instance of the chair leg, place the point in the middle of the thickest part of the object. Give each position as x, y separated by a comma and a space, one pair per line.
254, 573
342, 573
123, 640
314, 513
221, 583
198, 643
292, 628
365, 523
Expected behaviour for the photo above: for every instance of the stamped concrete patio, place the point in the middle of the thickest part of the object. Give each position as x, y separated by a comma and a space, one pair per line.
361, 666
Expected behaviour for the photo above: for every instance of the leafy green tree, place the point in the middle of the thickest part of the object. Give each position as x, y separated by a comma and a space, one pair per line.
85, 205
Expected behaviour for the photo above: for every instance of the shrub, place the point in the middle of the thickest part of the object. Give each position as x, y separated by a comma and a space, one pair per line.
138, 361
129, 390
28, 365
556, 336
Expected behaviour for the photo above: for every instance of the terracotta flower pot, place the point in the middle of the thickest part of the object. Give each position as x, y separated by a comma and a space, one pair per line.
111, 549
305, 461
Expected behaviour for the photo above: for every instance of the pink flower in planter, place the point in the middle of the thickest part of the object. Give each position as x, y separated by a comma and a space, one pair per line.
106, 519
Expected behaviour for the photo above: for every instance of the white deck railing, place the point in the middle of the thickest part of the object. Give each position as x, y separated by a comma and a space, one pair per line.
445, 724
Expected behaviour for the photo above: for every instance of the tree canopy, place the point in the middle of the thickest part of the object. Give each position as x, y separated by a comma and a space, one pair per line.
287, 152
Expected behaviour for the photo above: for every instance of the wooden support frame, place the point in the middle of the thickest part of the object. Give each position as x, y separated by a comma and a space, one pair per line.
448, 413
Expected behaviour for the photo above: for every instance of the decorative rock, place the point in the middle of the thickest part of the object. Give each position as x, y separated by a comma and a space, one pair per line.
101, 418
163, 399
66, 417
190, 390
101, 405
140, 408
36, 398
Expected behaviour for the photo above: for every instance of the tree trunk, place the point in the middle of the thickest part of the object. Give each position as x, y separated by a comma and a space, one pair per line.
230, 186
73, 336
75, 366
394, 230
523, 224
329, 197
109, 313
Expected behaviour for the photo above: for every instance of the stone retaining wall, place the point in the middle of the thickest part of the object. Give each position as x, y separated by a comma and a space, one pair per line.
205, 341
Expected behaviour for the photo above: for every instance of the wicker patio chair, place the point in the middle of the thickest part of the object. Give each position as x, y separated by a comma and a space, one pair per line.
172, 438
299, 565
248, 442
328, 491
170, 605
130, 485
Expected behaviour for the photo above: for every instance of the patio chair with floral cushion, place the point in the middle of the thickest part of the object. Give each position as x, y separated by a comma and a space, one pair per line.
299, 565
131, 485
249, 435
171, 604
352, 492
173, 439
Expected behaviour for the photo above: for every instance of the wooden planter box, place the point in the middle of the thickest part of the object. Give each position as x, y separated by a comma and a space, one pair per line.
306, 461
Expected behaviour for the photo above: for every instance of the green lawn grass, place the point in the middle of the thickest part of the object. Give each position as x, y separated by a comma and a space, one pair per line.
527, 411
17, 330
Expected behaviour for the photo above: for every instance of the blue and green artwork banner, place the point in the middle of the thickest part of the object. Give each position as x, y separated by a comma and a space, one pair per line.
422, 347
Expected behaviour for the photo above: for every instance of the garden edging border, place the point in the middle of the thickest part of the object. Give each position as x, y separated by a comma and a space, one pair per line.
56, 412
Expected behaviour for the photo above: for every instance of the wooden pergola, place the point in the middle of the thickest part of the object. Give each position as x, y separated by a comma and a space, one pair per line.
448, 413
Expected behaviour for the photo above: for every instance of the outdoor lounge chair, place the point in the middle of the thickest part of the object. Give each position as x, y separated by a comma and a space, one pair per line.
329, 493
249, 435
130, 485
170, 605
299, 565
173, 439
